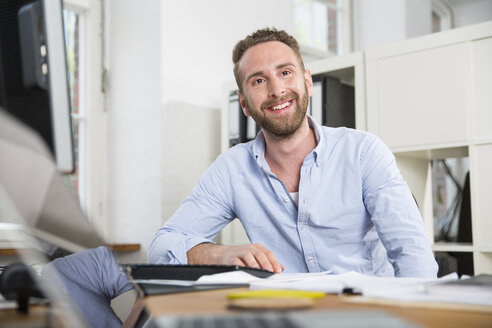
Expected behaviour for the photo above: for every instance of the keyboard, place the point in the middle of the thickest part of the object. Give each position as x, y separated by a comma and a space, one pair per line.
187, 272
227, 322
315, 319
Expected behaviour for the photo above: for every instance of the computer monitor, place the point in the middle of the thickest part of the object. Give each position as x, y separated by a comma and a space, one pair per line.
35, 124
33, 73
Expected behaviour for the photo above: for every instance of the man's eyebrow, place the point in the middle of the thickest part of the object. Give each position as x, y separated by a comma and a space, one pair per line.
259, 73
285, 65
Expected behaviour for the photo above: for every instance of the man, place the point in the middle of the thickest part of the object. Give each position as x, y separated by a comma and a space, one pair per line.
310, 198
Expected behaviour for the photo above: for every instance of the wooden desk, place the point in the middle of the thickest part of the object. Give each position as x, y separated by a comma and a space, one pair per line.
215, 302
38, 316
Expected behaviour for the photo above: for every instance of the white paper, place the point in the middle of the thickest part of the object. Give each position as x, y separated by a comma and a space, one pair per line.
422, 293
165, 282
241, 277
231, 277
335, 284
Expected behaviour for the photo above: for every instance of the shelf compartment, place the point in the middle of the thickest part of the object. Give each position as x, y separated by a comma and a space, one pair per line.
432, 153
461, 262
452, 247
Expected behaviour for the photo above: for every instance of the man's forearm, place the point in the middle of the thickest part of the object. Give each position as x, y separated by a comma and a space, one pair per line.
205, 253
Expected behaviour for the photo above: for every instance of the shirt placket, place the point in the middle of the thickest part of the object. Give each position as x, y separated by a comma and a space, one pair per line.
303, 216
282, 192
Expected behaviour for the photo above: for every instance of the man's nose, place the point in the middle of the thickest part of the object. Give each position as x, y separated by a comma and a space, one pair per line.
277, 88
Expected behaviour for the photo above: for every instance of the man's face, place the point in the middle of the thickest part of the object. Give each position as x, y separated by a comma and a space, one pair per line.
275, 90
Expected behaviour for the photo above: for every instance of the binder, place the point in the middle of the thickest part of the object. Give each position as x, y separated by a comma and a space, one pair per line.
316, 101
234, 119
338, 103
241, 127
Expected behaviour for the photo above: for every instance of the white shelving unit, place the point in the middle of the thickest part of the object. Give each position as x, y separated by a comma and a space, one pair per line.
431, 98
427, 98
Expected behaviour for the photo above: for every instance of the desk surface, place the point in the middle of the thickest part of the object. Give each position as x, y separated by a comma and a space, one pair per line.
38, 316
215, 302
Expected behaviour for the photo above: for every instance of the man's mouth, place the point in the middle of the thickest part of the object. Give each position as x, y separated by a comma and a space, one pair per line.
281, 106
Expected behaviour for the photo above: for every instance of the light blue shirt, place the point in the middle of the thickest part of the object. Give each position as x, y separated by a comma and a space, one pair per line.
355, 211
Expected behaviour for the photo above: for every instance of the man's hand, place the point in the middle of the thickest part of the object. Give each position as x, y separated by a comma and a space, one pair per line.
252, 255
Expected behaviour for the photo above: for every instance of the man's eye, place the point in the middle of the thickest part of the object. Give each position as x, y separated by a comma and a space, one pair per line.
258, 81
285, 73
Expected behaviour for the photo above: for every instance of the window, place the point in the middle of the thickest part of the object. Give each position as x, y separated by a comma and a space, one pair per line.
323, 27
442, 16
72, 25
436, 22
84, 40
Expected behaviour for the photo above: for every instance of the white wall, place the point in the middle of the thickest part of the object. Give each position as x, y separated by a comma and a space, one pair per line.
418, 18
379, 22
471, 12
135, 134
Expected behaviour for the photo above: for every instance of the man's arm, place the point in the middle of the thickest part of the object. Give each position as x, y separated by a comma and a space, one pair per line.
187, 237
252, 255
395, 214
91, 278
200, 217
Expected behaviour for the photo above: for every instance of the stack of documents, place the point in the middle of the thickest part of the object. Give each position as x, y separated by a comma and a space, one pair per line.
475, 290
336, 284
472, 287
447, 289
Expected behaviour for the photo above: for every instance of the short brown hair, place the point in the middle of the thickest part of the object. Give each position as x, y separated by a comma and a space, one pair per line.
261, 36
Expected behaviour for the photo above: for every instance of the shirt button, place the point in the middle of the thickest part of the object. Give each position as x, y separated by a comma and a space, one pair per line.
286, 199
310, 259
303, 226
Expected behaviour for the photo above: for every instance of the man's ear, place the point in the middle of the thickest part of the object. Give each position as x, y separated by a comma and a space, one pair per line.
309, 82
242, 101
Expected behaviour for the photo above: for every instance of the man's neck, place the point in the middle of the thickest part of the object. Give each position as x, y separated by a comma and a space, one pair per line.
285, 156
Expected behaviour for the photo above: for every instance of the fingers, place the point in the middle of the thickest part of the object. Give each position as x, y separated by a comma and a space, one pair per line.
254, 256
271, 259
238, 262
252, 261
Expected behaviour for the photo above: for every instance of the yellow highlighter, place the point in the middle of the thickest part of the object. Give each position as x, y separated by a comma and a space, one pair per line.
276, 293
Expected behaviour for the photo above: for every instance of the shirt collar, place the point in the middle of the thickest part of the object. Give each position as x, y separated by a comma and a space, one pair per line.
259, 143
259, 149
319, 138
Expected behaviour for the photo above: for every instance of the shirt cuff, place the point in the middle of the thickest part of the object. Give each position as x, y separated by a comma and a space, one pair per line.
177, 254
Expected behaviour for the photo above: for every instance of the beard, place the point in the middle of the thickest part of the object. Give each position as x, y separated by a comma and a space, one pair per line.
284, 127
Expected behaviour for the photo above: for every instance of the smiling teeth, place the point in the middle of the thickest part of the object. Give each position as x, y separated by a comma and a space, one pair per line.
281, 106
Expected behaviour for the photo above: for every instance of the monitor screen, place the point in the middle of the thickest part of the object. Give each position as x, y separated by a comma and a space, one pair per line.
35, 124
33, 73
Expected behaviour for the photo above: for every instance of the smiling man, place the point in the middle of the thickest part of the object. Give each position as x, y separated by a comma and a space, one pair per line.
310, 198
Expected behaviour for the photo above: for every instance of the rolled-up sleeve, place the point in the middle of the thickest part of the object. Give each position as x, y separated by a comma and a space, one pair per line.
394, 213
199, 218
